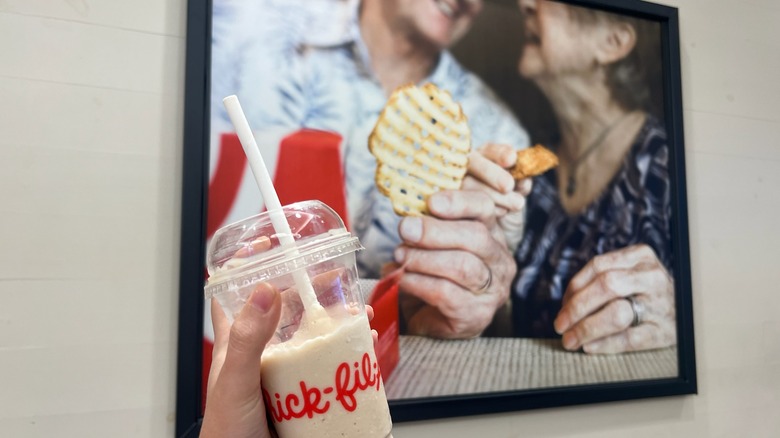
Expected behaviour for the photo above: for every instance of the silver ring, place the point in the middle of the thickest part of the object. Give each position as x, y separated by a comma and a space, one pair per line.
487, 284
638, 309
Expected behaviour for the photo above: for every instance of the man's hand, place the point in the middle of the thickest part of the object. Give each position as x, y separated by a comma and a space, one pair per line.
488, 171
457, 266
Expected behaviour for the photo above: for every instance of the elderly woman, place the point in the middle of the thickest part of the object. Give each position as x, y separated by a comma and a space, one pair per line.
595, 262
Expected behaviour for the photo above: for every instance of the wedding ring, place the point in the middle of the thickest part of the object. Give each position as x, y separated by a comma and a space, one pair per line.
487, 284
638, 309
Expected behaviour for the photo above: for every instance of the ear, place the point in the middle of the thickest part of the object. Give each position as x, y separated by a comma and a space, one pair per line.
617, 41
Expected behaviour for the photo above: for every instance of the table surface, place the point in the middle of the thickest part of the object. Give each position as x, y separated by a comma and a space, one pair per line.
434, 367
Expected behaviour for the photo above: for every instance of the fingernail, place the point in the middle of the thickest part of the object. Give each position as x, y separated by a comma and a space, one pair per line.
593, 347
439, 204
263, 297
525, 186
569, 341
560, 324
518, 201
399, 254
507, 183
509, 158
411, 229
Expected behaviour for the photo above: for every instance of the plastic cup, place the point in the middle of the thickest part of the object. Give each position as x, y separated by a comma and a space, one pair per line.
319, 371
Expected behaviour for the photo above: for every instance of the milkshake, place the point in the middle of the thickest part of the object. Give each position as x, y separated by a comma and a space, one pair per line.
342, 389
319, 371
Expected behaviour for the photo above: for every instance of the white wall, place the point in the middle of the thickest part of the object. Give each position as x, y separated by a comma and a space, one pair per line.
91, 119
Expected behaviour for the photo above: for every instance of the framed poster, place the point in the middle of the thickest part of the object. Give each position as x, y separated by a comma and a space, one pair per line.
584, 297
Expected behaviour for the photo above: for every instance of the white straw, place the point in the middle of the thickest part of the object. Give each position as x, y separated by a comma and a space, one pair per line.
272, 204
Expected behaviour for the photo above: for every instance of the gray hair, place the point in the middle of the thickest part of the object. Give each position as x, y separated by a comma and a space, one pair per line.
630, 79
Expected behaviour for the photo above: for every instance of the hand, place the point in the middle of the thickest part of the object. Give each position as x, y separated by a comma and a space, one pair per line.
457, 266
595, 315
488, 172
234, 403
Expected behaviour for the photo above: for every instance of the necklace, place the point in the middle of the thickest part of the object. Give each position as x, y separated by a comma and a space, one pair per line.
571, 185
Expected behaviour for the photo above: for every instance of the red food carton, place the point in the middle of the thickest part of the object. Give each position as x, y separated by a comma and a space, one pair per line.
384, 300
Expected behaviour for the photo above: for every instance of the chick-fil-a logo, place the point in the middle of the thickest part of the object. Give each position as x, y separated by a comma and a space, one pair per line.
311, 400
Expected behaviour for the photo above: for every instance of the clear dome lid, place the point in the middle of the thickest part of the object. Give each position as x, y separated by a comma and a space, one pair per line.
250, 250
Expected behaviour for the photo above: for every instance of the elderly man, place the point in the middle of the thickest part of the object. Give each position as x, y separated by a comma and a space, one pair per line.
330, 65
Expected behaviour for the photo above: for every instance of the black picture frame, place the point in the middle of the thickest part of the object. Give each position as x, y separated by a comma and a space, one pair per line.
193, 230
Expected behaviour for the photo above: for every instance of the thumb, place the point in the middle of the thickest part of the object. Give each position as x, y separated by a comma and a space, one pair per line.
253, 328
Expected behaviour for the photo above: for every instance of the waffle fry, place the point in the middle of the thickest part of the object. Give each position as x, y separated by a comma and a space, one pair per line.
421, 142
534, 161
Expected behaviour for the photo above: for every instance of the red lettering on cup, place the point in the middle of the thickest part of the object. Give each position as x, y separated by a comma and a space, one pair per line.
310, 403
311, 400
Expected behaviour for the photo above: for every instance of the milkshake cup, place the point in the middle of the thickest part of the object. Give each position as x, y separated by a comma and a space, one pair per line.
320, 374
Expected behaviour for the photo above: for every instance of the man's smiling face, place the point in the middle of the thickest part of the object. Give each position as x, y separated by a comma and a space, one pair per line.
439, 22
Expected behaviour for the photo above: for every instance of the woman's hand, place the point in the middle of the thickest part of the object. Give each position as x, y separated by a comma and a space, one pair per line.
234, 402
596, 315
457, 266
488, 172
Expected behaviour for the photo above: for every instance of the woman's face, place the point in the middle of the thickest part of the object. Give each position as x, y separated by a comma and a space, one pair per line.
555, 44
440, 22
